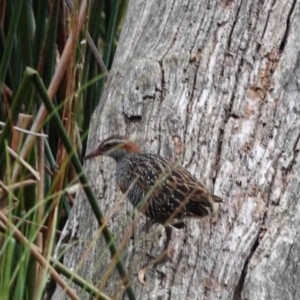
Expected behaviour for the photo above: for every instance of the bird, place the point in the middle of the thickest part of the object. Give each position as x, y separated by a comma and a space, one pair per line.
160, 188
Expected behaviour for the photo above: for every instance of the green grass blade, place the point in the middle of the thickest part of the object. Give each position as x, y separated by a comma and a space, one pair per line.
82, 178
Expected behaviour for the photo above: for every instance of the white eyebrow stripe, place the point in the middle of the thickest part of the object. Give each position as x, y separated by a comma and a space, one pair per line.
115, 142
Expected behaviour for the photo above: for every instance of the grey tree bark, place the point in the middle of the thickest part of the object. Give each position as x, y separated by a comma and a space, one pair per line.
215, 84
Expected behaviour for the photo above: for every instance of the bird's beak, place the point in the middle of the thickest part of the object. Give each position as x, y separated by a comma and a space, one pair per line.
94, 153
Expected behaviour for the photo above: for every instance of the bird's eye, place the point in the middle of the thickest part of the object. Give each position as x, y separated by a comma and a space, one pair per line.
106, 147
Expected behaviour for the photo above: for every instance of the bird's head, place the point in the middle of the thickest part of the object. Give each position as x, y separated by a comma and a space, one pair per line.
116, 147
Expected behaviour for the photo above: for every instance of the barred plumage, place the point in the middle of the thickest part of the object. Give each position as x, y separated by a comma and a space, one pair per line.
163, 190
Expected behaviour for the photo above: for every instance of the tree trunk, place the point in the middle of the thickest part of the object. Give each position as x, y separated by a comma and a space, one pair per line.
216, 85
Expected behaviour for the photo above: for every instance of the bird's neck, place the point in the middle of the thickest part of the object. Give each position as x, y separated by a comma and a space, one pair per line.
117, 154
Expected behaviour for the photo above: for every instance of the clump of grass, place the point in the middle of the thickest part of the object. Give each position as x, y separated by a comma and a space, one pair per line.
56, 55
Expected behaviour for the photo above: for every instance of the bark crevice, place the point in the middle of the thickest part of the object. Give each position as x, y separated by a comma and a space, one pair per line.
288, 26
240, 286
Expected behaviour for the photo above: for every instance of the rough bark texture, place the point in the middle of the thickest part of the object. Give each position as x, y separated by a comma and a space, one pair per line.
216, 84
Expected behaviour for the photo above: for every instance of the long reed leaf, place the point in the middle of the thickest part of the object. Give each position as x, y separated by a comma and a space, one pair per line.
82, 178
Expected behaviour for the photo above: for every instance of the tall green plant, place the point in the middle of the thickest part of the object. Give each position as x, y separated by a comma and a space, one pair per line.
37, 167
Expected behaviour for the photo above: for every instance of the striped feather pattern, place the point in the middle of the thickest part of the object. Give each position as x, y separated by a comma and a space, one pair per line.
164, 191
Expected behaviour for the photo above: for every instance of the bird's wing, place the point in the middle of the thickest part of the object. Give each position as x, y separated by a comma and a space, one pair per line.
198, 200
171, 188
153, 175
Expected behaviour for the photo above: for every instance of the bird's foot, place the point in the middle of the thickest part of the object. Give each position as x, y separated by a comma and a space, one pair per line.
160, 259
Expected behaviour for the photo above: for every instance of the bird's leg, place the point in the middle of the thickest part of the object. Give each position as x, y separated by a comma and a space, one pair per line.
159, 259
164, 253
148, 224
